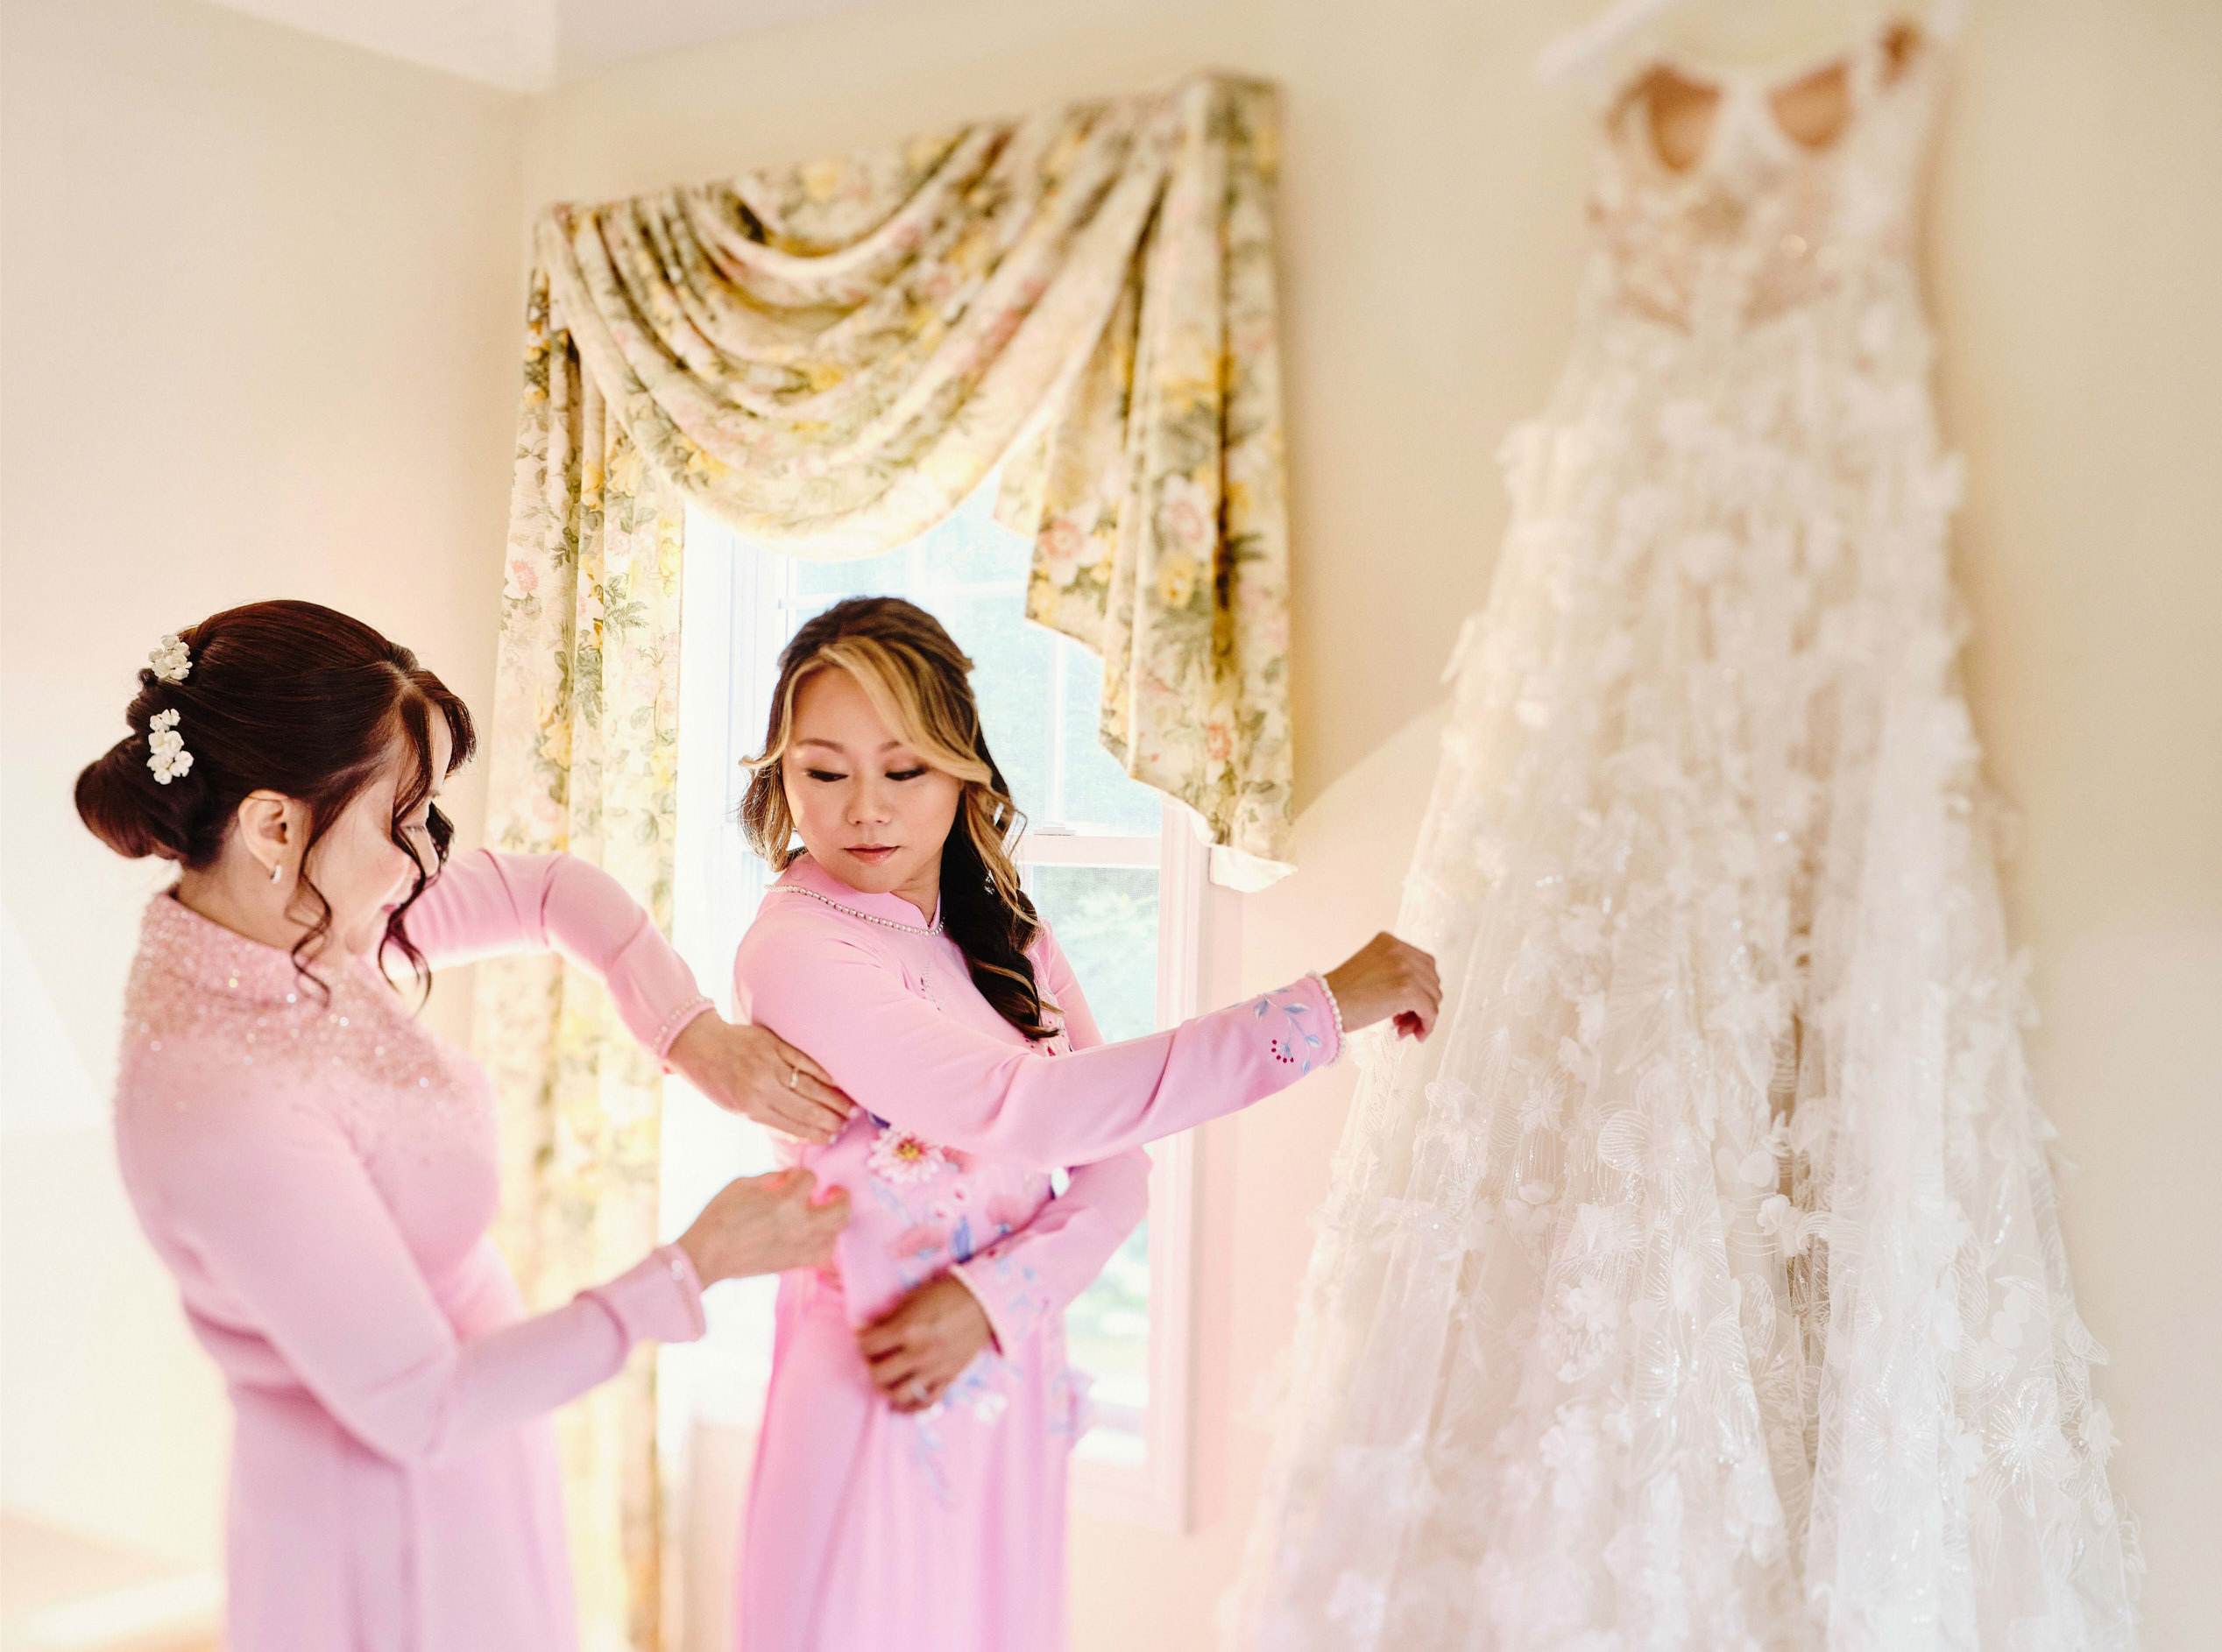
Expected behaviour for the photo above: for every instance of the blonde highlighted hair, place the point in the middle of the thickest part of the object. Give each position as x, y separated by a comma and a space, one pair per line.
920, 683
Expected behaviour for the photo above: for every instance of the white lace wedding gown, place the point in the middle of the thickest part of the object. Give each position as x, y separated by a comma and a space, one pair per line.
1698, 1284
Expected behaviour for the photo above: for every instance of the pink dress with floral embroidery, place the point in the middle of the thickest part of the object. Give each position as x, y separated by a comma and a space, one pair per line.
320, 1173
872, 1531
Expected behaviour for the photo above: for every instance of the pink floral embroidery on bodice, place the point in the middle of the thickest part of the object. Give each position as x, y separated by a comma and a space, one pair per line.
962, 1123
919, 1208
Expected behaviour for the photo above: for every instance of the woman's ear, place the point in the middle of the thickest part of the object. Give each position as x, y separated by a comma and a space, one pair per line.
265, 827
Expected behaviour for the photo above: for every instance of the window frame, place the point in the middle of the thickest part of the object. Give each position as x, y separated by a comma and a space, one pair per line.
1156, 1492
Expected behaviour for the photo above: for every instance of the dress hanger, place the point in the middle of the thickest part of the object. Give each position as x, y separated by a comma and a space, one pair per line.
1582, 52
1590, 51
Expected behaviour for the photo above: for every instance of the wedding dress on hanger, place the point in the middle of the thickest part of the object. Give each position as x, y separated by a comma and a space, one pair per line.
1698, 1285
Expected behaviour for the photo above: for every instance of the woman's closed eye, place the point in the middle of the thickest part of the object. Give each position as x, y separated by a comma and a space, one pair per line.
828, 776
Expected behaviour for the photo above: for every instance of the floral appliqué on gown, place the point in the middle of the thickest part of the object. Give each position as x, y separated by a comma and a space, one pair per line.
1698, 1285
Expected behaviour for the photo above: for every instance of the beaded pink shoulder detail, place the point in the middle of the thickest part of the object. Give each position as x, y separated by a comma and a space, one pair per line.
196, 986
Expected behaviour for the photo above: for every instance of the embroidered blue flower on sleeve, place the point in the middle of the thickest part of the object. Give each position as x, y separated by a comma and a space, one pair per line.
1294, 1047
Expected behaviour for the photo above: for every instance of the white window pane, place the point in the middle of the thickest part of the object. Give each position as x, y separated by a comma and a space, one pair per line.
723, 1377
818, 584
1106, 1334
1105, 919
1098, 795
1012, 662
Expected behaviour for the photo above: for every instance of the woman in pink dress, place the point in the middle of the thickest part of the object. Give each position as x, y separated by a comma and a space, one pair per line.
319, 1171
910, 1483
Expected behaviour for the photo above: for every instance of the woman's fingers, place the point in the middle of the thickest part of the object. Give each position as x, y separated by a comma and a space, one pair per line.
752, 1071
1388, 980
1427, 985
889, 1336
914, 1352
896, 1333
821, 1220
1421, 988
807, 1111
791, 1117
904, 1361
900, 1368
1430, 979
895, 1367
812, 1096
793, 1122
909, 1382
809, 1226
804, 1108
826, 1108
795, 1057
764, 1224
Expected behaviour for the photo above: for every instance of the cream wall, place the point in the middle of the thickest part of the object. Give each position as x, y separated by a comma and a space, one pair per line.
1432, 231
256, 340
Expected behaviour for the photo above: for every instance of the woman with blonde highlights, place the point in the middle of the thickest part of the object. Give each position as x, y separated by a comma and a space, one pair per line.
910, 1481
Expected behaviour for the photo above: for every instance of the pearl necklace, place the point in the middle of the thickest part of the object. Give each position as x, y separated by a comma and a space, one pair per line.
885, 923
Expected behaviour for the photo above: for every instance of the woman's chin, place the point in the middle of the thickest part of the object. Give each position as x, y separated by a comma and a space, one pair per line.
868, 874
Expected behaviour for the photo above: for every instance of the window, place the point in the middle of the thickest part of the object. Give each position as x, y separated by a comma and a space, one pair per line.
1120, 876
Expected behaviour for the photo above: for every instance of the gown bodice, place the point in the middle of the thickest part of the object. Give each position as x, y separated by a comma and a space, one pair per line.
1760, 223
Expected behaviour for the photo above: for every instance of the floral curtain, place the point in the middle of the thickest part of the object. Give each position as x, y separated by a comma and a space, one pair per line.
584, 753
1156, 501
834, 356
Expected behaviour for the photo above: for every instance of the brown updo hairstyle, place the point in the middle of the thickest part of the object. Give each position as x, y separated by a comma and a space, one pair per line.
920, 683
286, 697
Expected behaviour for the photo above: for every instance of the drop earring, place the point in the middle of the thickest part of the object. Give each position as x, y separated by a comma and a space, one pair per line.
277, 870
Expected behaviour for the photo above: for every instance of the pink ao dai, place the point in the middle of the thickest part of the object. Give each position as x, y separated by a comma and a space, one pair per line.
320, 1175
943, 1531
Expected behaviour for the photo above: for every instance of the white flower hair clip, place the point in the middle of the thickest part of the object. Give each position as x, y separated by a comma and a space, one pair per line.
165, 752
172, 661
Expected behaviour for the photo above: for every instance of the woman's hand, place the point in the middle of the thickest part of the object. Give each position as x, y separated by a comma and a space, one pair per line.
1387, 977
764, 1224
758, 1075
922, 1347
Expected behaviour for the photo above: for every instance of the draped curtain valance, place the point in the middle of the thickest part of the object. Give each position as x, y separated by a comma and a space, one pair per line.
832, 357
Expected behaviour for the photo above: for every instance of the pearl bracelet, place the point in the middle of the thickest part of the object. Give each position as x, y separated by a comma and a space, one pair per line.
1334, 1009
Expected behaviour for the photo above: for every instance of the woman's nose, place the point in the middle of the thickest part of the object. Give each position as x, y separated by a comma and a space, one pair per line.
867, 805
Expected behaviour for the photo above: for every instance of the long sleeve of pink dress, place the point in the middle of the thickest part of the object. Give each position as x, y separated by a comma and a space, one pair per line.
826, 988
944, 1530
319, 1172
1029, 1278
